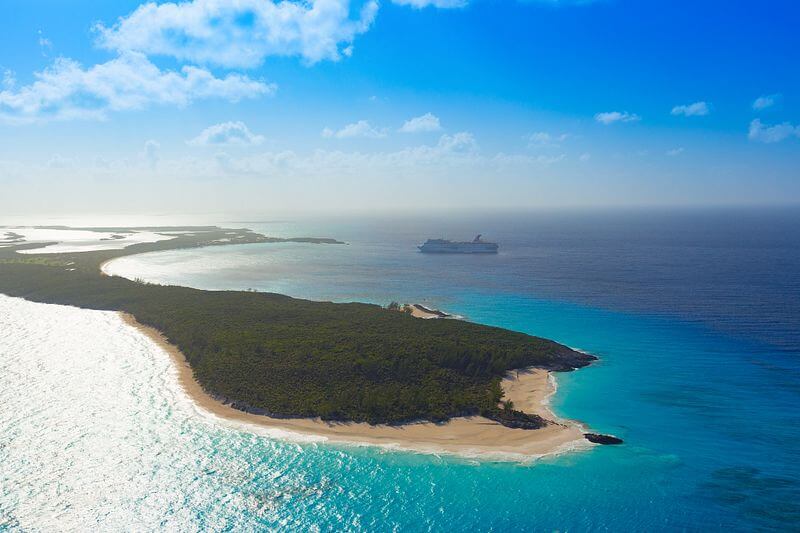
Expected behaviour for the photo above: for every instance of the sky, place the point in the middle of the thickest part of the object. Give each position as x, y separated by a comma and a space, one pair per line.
257, 107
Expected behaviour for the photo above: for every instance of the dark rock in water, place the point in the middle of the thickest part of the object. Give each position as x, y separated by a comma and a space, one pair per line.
598, 438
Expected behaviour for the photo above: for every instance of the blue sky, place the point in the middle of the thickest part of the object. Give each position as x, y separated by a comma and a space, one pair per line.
253, 106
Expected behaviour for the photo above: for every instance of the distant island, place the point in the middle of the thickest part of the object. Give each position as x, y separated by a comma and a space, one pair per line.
272, 355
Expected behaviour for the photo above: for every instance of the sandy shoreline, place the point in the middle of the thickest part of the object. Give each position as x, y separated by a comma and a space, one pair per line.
102, 268
475, 437
420, 311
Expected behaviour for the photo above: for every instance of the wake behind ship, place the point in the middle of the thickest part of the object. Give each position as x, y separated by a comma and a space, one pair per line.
443, 246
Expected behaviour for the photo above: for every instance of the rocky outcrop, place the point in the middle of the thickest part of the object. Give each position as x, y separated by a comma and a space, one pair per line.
599, 438
565, 359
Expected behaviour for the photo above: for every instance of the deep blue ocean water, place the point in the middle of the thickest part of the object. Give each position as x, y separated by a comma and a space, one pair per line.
695, 316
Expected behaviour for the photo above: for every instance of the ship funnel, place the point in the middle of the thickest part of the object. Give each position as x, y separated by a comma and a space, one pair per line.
478, 238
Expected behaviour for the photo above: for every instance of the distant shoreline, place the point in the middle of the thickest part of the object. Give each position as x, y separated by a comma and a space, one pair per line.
473, 437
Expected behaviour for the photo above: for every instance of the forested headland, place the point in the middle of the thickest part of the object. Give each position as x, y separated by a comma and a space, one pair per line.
286, 357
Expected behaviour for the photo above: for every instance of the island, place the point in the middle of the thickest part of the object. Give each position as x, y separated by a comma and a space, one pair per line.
317, 367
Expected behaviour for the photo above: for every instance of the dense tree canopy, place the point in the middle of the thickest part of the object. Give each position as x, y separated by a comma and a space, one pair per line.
288, 357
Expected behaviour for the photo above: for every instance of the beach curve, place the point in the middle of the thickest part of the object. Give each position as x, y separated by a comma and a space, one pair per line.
470, 437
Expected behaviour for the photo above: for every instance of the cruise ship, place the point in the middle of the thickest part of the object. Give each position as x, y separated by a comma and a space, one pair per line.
443, 246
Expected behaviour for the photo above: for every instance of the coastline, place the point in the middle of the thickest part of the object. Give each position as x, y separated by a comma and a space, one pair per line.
420, 311
472, 437
102, 267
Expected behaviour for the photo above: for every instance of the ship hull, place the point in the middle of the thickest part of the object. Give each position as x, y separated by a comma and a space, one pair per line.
468, 248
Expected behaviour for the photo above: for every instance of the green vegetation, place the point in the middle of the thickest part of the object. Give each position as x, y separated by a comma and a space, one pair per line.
34, 260
276, 355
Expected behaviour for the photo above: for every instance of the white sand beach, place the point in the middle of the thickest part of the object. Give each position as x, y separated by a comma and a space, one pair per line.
475, 436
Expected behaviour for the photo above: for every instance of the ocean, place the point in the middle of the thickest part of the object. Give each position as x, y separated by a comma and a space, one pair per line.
694, 314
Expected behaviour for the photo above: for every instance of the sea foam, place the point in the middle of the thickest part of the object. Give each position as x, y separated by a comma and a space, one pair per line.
98, 433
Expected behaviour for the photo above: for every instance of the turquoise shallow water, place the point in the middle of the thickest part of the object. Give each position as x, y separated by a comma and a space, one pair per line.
698, 372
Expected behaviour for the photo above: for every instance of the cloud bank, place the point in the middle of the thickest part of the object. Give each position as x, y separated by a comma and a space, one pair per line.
697, 109
240, 33
361, 129
543, 138
227, 134
67, 90
765, 102
771, 134
441, 4
610, 117
423, 123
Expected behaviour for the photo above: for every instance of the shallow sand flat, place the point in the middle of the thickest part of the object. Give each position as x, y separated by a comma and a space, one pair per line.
465, 436
70, 240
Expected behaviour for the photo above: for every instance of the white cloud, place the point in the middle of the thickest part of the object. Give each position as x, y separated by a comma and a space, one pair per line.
423, 123
45, 45
450, 167
225, 162
9, 80
227, 134
240, 33
543, 138
675, 152
585, 157
441, 4
771, 134
67, 90
765, 102
611, 117
362, 128
458, 151
697, 109
462, 142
